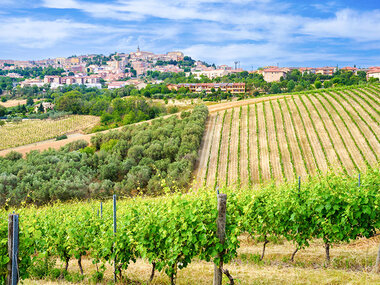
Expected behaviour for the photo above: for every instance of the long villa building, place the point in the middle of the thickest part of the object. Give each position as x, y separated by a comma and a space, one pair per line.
233, 88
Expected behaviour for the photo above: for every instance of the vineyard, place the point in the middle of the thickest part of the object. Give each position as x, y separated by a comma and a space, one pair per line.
31, 131
172, 231
283, 137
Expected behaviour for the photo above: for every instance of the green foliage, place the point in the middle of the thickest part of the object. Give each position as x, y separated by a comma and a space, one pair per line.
172, 230
318, 84
13, 155
62, 137
126, 162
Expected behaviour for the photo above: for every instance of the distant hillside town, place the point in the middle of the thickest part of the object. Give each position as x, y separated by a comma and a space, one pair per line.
120, 69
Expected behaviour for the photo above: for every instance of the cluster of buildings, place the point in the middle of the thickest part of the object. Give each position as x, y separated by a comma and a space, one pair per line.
89, 69
208, 88
120, 69
274, 73
90, 80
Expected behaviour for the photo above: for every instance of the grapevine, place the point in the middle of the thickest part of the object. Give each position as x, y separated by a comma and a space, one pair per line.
338, 131
248, 152
297, 137
209, 153
229, 144
277, 142
268, 145
328, 134
219, 147
287, 140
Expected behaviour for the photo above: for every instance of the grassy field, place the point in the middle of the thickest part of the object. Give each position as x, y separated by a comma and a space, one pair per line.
283, 137
350, 264
14, 103
31, 131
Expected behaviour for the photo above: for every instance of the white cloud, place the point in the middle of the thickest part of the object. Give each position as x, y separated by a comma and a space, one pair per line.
255, 31
61, 4
257, 54
348, 24
26, 32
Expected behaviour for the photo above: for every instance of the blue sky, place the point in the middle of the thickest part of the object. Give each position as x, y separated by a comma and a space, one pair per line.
254, 32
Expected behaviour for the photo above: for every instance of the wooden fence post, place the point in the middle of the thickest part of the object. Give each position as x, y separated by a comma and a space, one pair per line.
13, 246
114, 232
221, 234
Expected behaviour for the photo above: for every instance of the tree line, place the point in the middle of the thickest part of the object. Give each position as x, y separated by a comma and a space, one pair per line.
130, 161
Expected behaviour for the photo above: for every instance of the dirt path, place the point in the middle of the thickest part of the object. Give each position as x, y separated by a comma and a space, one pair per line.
229, 105
204, 151
44, 145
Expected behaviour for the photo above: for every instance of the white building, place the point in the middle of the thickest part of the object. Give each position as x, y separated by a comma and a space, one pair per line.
373, 72
211, 73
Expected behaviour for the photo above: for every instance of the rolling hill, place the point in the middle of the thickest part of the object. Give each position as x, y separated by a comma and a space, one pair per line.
283, 137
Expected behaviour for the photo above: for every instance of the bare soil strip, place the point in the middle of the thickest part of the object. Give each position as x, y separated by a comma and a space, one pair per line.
296, 152
360, 112
296, 132
253, 145
274, 155
233, 168
361, 96
214, 151
310, 140
248, 148
264, 154
330, 155
334, 136
367, 126
364, 138
347, 129
285, 155
204, 151
243, 148
372, 95
224, 151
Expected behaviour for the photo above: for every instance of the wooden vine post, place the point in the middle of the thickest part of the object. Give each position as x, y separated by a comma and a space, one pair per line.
13, 248
221, 234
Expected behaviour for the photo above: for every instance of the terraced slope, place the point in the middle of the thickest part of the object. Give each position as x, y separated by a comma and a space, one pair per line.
284, 137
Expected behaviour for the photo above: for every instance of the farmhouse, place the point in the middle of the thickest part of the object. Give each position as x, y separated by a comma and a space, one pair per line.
373, 72
46, 105
274, 73
233, 88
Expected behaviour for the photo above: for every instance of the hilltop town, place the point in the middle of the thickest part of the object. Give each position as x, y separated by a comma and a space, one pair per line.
120, 69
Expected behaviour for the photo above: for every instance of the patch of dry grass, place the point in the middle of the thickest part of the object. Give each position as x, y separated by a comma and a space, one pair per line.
350, 264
